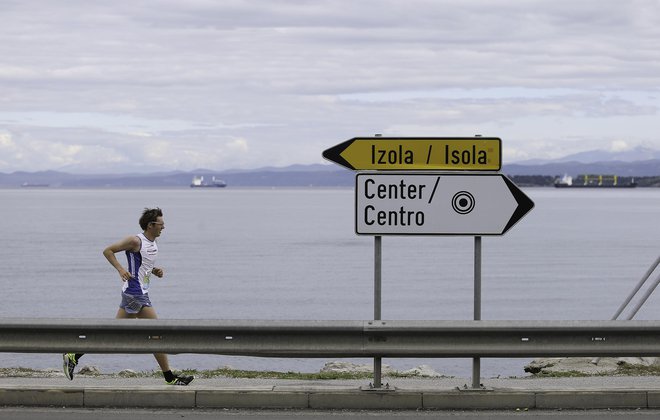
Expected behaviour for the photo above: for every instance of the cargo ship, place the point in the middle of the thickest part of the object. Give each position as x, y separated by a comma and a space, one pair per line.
198, 182
595, 181
33, 185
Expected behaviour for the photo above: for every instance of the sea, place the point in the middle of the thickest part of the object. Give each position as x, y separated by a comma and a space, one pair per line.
292, 253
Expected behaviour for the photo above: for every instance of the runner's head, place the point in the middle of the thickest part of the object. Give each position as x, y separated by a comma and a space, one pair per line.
150, 216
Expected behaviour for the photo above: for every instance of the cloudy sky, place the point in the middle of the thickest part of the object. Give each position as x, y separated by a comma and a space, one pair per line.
97, 86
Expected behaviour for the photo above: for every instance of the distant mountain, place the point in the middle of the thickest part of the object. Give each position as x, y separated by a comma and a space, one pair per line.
294, 176
637, 154
640, 161
329, 175
642, 168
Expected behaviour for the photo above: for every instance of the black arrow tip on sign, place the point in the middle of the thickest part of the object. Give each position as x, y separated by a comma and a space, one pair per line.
525, 204
334, 154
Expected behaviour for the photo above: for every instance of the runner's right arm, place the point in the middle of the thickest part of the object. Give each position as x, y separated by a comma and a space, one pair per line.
130, 243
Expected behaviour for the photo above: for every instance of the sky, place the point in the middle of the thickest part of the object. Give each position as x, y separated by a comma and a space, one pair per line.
143, 85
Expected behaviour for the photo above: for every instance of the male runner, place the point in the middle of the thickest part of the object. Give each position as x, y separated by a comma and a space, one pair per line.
141, 251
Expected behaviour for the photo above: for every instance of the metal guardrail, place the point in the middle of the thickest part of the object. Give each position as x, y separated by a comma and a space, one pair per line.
311, 339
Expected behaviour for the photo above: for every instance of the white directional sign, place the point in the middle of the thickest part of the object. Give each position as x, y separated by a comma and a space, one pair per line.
437, 204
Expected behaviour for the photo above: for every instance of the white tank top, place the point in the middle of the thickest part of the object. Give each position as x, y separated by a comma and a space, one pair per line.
140, 265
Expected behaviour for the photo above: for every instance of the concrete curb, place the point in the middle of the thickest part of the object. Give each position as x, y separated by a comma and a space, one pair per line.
326, 398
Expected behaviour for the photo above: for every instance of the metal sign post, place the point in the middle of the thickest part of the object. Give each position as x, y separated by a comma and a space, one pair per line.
378, 258
476, 362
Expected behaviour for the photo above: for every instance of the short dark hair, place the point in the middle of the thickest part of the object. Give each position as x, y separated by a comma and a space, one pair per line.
149, 216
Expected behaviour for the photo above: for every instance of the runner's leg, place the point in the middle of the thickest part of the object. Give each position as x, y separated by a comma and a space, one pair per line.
148, 312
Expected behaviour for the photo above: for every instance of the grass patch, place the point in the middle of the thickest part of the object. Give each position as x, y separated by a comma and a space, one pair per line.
18, 372
638, 370
252, 374
235, 373
624, 369
255, 374
564, 374
214, 373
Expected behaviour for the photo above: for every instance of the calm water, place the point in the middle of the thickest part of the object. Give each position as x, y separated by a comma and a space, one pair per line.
293, 254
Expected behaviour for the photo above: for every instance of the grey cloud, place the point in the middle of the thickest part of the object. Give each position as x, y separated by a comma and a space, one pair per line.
273, 73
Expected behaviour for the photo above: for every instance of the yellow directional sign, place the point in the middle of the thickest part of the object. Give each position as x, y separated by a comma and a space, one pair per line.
418, 153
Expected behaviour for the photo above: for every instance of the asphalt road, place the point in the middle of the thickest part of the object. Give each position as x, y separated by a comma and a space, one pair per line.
27, 413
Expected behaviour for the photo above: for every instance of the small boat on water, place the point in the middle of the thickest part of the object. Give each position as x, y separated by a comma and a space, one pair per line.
198, 182
595, 181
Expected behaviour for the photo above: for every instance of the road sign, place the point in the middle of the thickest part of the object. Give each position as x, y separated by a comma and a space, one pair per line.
437, 204
423, 153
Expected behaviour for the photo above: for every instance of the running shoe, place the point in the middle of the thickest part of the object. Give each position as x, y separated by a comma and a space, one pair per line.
70, 364
181, 380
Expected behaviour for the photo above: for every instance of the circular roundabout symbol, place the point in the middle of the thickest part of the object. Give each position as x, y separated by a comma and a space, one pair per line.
463, 202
